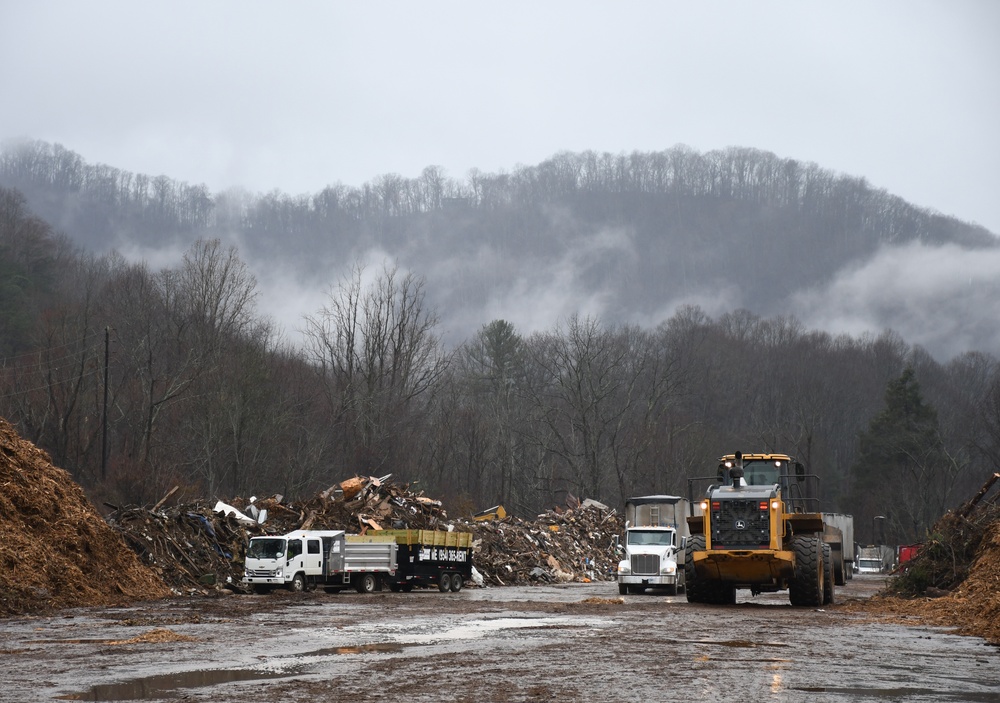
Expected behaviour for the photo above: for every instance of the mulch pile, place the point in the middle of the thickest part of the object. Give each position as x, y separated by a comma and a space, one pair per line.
56, 550
954, 580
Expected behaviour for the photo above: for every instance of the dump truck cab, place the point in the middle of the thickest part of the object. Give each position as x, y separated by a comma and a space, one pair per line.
656, 532
756, 532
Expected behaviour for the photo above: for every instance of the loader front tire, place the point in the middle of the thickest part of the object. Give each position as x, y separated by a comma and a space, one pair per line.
695, 588
807, 583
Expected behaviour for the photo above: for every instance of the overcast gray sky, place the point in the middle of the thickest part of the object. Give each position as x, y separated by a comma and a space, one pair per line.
296, 96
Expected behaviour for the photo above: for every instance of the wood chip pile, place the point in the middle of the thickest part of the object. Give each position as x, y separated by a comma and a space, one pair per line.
56, 550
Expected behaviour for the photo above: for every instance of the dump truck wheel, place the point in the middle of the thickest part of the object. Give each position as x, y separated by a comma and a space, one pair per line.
298, 584
829, 580
693, 587
368, 583
444, 582
456, 583
807, 583
395, 587
622, 589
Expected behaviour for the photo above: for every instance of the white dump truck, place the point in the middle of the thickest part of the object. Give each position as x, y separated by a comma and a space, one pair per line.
333, 560
656, 532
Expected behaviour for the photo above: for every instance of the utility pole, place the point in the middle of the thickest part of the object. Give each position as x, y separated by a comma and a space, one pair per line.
104, 418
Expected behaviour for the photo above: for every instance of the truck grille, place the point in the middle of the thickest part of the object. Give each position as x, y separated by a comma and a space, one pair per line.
262, 573
740, 524
645, 564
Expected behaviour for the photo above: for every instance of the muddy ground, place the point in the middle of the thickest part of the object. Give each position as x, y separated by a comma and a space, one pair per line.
577, 641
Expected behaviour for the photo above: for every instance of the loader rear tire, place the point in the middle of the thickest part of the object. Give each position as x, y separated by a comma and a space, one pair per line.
807, 583
829, 580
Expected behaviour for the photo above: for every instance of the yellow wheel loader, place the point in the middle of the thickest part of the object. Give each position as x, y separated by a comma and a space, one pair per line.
755, 532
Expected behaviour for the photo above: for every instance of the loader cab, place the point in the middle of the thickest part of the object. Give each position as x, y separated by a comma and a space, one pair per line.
779, 470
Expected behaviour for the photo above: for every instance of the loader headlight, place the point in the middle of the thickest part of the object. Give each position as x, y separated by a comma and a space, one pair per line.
624, 567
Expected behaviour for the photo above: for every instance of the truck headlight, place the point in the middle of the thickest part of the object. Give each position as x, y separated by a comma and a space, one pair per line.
624, 567
668, 568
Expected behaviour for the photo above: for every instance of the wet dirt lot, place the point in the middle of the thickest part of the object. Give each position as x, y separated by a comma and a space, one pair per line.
571, 642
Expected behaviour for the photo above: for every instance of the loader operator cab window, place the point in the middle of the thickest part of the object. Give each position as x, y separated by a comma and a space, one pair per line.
659, 538
762, 473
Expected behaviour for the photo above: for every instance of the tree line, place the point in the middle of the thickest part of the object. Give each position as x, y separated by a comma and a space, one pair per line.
199, 391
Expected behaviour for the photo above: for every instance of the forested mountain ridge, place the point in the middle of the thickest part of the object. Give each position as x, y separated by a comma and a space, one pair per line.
655, 364
620, 237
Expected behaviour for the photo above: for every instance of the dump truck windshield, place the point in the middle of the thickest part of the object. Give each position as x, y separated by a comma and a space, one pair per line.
663, 538
761, 473
270, 548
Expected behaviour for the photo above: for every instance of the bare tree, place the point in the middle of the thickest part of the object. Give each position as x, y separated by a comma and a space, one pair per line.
376, 352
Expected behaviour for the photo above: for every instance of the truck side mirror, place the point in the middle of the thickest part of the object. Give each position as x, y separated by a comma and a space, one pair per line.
684, 542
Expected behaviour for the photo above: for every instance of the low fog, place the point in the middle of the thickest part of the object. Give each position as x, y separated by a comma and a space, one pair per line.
942, 298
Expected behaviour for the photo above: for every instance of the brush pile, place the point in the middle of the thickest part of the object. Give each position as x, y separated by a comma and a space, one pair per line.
955, 577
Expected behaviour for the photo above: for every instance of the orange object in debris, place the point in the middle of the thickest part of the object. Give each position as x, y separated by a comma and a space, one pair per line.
351, 487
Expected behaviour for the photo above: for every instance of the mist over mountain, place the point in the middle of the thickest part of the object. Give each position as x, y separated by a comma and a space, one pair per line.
619, 237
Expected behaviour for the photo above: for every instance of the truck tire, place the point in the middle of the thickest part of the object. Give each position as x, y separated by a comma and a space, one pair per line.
297, 584
444, 582
695, 587
839, 572
807, 583
830, 579
622, 589
457, 582
367, 583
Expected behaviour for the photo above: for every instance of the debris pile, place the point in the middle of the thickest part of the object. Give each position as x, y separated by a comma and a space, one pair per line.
56, 551
572, 544
196, 548
946, 557
955, 577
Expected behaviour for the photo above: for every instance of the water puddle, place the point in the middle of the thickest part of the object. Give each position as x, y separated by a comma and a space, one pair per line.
156, 686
